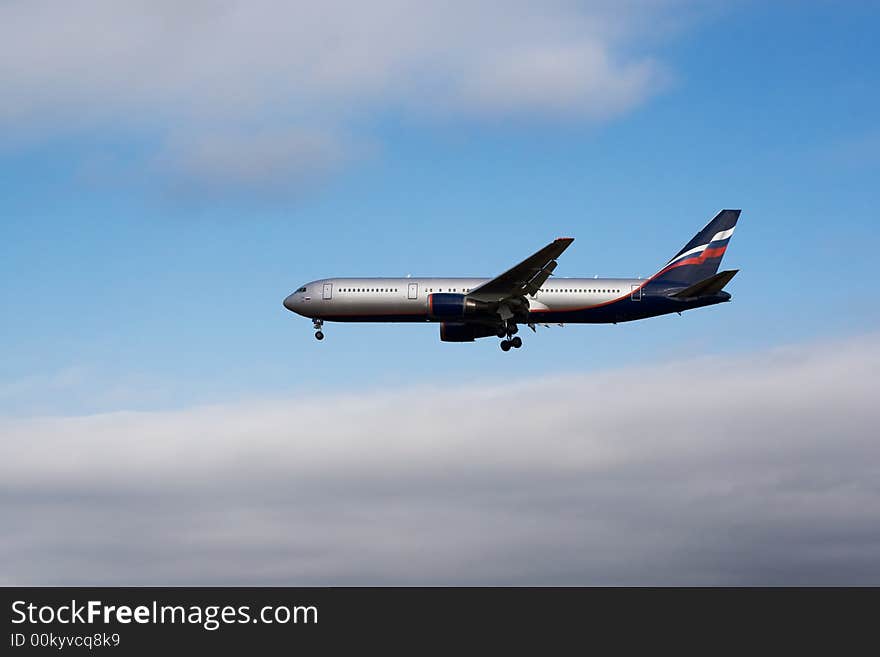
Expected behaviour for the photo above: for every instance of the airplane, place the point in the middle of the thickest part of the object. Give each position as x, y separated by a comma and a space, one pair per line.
471, 308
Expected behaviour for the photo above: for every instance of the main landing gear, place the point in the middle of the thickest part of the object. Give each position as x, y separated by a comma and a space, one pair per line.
318, 323
515, 341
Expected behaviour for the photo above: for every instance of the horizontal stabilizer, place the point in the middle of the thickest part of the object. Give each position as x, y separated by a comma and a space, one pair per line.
707, 286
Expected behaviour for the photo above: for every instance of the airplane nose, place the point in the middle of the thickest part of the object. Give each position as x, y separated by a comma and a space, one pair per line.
290, 303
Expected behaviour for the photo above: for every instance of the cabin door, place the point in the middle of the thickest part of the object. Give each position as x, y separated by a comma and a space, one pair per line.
413, 291
635, 292
328, 290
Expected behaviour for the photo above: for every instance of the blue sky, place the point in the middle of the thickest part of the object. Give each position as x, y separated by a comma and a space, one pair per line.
171, 171
138, 273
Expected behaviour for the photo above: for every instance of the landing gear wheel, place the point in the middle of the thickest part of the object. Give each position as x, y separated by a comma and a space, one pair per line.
516, 343
319, 335
505, 345
501, 333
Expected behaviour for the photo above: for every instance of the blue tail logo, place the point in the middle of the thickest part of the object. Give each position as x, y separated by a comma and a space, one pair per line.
700, 258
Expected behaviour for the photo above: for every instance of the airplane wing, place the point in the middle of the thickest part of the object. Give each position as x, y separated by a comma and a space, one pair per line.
526, 277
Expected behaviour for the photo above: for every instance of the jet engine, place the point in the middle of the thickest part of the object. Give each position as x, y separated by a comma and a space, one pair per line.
444, 304
461, 332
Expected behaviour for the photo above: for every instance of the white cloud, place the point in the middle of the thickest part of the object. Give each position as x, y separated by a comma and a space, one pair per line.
232, 64
257, 160
749, 469
562, 80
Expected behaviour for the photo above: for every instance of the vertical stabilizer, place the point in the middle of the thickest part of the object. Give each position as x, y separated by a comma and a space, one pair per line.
701, 257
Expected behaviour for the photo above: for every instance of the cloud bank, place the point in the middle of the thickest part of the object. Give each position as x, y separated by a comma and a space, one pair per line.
737, 470
189, 74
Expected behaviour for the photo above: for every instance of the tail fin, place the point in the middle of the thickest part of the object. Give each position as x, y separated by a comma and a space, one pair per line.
701, 257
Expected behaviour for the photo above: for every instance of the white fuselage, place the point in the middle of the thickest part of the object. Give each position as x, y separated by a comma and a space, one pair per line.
406, 299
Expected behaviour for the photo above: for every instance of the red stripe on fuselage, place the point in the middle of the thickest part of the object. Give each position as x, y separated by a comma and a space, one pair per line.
696, 260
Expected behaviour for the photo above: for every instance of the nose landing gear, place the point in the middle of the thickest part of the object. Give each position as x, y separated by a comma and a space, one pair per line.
318, 323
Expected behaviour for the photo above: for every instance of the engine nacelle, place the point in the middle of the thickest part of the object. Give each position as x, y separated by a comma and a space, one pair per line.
461, 332
444, 304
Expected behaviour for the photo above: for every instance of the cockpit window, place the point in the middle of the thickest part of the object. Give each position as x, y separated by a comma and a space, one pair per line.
302, 289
